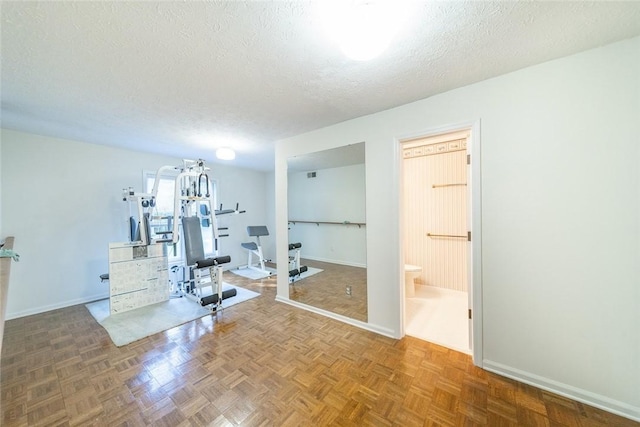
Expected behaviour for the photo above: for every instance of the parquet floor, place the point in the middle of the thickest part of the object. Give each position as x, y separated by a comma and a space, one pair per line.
327, 290
259, 363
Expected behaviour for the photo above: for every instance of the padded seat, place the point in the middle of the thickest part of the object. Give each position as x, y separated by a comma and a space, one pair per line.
252, 246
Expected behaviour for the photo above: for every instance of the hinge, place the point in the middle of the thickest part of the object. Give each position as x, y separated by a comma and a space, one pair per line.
469, 313
468, 159
468, 236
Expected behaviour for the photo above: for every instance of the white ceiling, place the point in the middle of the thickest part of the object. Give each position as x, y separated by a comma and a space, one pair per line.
182, 78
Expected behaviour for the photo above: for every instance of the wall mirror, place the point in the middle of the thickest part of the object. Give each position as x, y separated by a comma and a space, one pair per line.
326, 217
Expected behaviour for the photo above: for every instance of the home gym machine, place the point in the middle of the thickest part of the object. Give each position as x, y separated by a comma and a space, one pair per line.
193, 210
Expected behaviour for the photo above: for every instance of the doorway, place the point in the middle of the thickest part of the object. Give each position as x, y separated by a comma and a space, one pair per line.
436, 210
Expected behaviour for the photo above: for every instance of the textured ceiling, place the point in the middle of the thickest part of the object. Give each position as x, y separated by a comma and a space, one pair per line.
182, 78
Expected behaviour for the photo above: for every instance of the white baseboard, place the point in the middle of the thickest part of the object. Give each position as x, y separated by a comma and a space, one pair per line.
357, 323
584, 396
333, 261
45, 308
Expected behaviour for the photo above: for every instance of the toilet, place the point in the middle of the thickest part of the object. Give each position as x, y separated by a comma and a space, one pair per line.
411, 272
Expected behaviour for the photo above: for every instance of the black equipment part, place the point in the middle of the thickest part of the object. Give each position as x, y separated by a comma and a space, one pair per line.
295, 272
213, 299
203, 263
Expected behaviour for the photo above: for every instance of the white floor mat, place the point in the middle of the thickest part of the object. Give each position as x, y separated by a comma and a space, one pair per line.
250, 273
310, 272
130, 326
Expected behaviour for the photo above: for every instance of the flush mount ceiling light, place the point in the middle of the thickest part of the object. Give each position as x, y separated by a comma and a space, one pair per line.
363, 29
225, 153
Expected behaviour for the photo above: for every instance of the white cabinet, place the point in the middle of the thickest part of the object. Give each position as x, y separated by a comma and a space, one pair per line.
138, 276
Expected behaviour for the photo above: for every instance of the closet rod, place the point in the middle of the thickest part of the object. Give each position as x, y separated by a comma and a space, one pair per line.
449, 185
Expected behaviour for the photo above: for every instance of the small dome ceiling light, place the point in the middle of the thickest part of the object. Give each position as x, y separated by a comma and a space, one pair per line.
225, 153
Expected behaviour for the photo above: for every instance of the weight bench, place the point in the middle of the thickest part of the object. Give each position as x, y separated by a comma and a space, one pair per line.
255, 249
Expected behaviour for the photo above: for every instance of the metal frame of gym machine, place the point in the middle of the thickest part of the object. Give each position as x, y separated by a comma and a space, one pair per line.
188, 199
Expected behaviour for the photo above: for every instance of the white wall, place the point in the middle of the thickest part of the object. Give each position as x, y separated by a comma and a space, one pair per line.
560, 218
2, 236
269, 243
62, 201
334, 195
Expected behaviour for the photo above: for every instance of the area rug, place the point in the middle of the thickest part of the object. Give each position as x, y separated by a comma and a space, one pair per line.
125, 328
252, 274
310, 272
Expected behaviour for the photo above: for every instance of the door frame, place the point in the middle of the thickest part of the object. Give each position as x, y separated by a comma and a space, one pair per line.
474, 213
